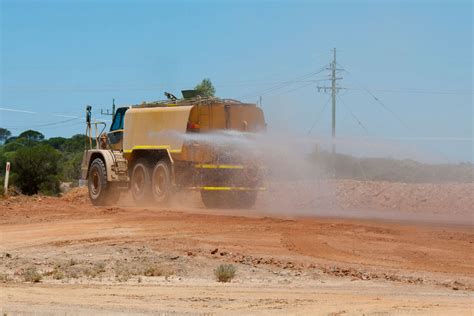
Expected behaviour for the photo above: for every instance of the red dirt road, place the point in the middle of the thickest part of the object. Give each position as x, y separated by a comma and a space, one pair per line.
384, 263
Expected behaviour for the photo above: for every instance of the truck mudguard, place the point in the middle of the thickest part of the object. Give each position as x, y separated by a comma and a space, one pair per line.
106, 155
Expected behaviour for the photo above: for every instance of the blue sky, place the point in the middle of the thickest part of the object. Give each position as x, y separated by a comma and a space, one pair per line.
415, 57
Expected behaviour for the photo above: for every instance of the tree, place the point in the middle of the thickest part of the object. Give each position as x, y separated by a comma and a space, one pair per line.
32, 136
36, 169
57, 142
14, 143
4, 134
10, 140
76, 143
3, 162
205, 88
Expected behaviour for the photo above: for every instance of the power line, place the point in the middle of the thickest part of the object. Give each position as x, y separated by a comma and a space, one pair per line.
18, 128
390, 111
320, 115
47, 124
419, 91
422, 138
141, 88
242, 83
56, 123
380, 102
353, 115
96, 112
299, 87
283, 84
387, 108
277, 87
33, 112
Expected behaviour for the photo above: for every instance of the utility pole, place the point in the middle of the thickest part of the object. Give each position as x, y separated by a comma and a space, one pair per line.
334, 89
333, 96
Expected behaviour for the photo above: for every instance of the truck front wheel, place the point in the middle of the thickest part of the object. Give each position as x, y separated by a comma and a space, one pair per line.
100, 191
141, 182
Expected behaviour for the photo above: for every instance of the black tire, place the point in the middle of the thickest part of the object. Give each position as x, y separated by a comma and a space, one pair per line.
140, 182
113, 194
101, 192
228, 199
244, 199
161, 182
212, 199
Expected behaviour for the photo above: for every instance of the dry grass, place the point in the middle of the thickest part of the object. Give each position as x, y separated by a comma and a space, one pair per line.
225, 272
73, 269
4, 278
68, 269
155, 270
72, 262
32, 275
124, 271
57, 274
94, 271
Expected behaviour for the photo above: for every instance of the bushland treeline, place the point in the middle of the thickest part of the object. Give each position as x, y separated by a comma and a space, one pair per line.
342, 166
39, 165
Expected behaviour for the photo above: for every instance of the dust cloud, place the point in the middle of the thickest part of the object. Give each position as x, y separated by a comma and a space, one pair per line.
303, 179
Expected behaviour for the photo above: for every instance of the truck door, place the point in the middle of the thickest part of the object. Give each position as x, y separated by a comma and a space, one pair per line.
115, 135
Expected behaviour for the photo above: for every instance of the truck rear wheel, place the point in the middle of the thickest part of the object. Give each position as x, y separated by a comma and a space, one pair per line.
212, 199
101, 192
161, 182
245, 199
141, 182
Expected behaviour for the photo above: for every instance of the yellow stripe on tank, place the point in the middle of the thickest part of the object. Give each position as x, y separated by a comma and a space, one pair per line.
145, 147
230, 189
209, 166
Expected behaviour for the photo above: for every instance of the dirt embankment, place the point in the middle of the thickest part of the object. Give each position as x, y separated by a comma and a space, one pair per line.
447, 202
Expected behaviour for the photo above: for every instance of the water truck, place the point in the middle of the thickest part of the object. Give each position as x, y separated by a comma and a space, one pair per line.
155, 149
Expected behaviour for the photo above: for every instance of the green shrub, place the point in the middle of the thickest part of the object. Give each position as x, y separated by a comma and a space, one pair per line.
71, 166
36, 169
50, 186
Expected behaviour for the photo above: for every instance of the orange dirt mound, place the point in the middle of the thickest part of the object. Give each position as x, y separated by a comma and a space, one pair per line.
78, 194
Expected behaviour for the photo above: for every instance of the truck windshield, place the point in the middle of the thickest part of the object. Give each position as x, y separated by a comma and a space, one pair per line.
117, 123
